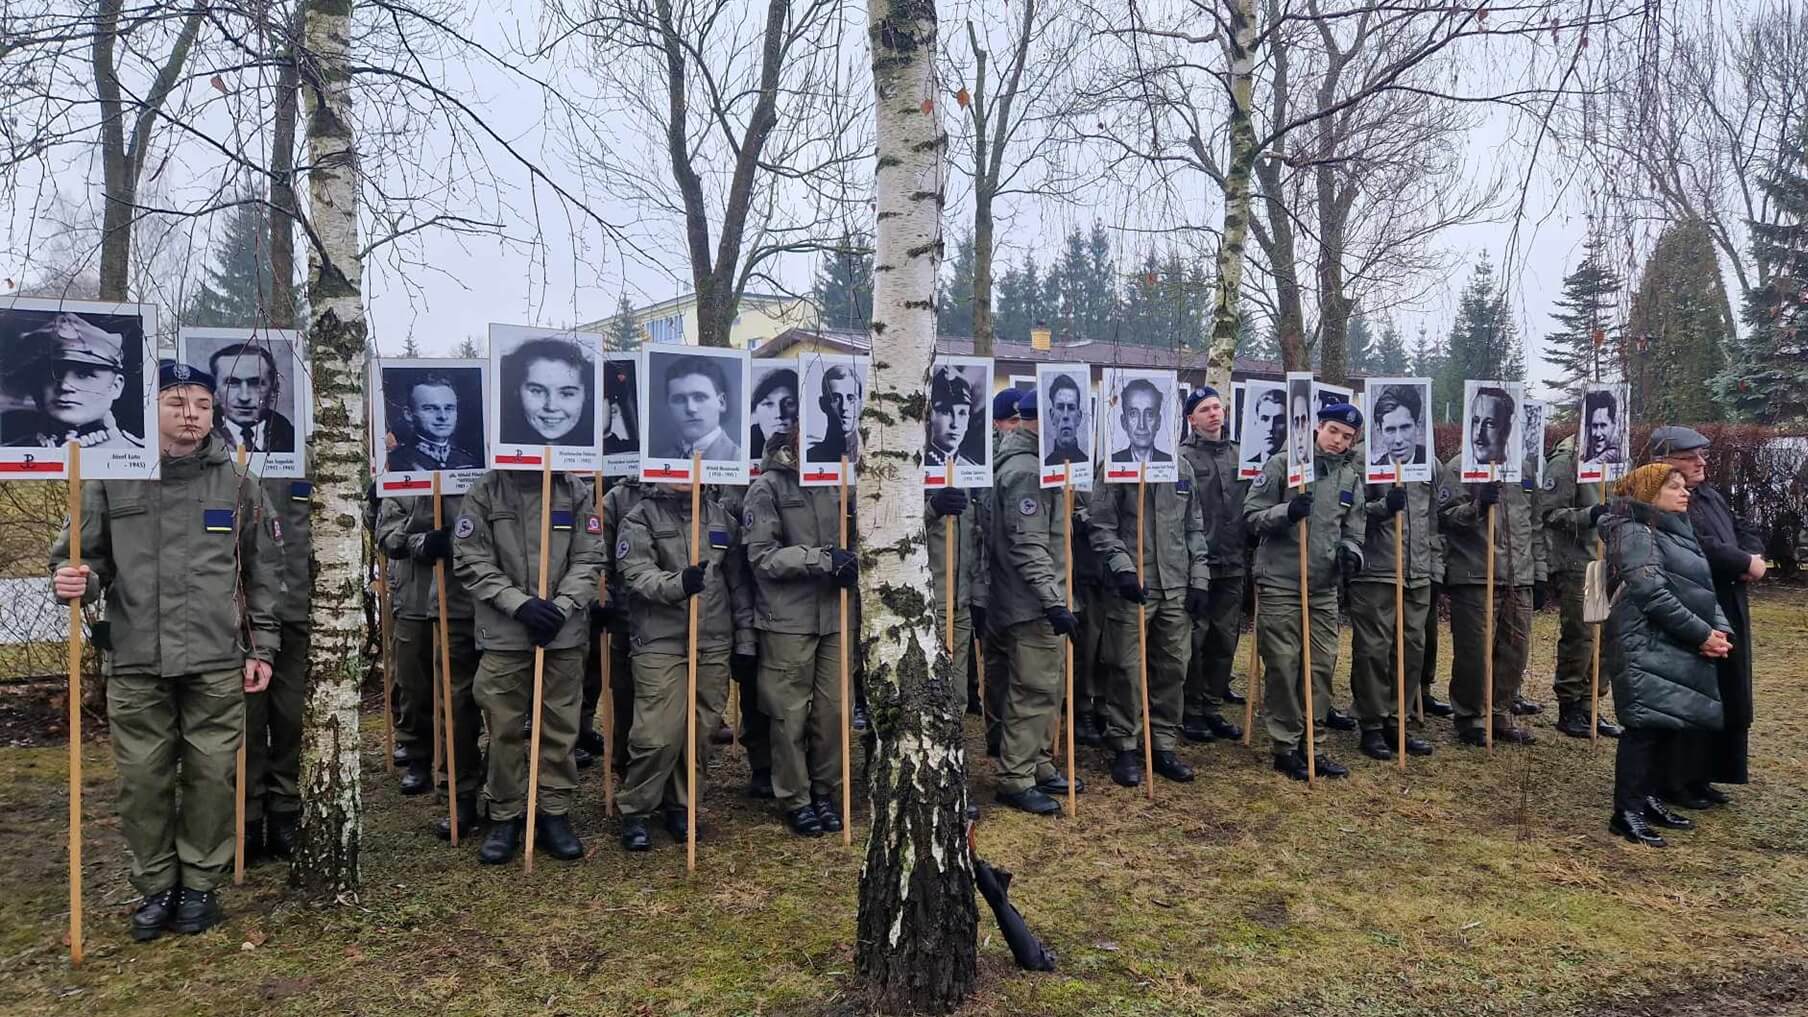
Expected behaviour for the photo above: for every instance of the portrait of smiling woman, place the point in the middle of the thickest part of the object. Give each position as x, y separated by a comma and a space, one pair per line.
547, 395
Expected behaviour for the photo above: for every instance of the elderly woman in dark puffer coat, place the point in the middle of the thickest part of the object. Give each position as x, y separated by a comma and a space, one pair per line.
1663, 635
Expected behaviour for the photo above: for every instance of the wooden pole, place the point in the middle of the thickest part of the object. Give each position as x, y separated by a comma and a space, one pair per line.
1400, 626
75, 710
384, 632
602, 648
1594, 664
1305, 615
1488, 640
240, 761
847, 723
690, 685
1073, 800
1142, 638
438, 746
533, 738
1253, 682
445, 671
948, 560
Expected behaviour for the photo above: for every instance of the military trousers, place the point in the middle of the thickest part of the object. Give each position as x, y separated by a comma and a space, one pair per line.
1428, 668
176, 742
800, 690
755, 727
505, 694
1470, 650
1575, 643
1169, 645
1214, 647
1279, 636
1038, 681
273, 730
995, 647
1098, 652
621, 692
655, 777
411, 652
1373, 687
420, 683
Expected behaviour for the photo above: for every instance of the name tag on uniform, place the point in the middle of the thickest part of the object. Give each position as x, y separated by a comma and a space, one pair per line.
216, 520
718, 539
561, 520
1346, 497
301, 490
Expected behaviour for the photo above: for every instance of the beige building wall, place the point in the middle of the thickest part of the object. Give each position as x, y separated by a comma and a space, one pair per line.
762, 317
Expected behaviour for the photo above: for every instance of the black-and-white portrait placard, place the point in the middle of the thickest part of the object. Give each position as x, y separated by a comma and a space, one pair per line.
772, 405
1531, 432
544, 387
1065, 416
1603, 433
1492, 427
1262, 434
1302, 418
834, 393
1142, 423
261, 395
1023, 382
1324, 395
77, 371
1233, 421
1399, 431
956, 431
622, 415
428, 417
695, 397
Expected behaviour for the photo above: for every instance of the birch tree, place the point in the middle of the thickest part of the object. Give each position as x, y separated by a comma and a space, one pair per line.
327, 848
918, 923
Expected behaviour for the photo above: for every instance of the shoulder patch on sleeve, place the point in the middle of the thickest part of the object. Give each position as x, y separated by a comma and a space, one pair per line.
747, 517
1260, 482
465, 528
1028, 506
621, 548
276, 529
1443, 493
593, 525
1550, 483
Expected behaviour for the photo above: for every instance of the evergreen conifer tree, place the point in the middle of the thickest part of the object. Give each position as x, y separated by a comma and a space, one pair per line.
623, 332
1676, 328
1388, 354
1587, 304
844, 285
1484, 343
954, 312
1766, 376
235, 292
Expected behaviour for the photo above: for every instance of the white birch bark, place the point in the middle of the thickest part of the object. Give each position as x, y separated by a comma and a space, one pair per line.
1240, 44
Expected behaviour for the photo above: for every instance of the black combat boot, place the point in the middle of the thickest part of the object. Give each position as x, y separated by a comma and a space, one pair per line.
759, 784
583, 757
1608, 728
677, 825
1414, 746
154, 914
555, 835
1056, 786
1031, 800
1661, 816
1435, 707
1127, 768
1337, 720
254, 842
591, 741
1328, 767
1374, 745
196, 911
1086, 730
279, 834
828, 815
803, 821
1572, 719
1505, 730
1234, 697
1217, 725
1195, 729
417, 779
1292, 764
501, 843
1168, 765
634, 834
1630, 824
1523, 707
467, 820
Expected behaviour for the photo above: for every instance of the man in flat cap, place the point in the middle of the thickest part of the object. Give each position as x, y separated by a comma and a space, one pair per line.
74, 372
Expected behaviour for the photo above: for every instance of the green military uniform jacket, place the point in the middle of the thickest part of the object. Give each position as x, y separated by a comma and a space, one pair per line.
1567, 508
969, 576
1337, 521
1518, 533
621, 498
1221, 497
1421, 536
293, 501
412, 591
496, 552
172, 557
789, 531
1174, 544
1028, 549
652, 549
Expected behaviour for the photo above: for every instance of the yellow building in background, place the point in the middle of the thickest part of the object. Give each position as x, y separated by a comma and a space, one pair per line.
762, 317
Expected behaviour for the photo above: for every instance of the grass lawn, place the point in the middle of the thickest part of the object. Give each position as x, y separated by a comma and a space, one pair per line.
1467, 886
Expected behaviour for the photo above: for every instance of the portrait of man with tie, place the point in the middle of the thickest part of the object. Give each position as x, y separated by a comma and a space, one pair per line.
250, 397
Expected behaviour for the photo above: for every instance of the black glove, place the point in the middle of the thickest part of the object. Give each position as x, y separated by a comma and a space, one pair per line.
1130, 588
1539, 595
978, 614
1595, 512
542, 618
1063, 620
1299, 508
602, 612
1396, 500
949, 501
693, 578
1351, 561
435, 545
1198, 604
1487, 494
743, 666
846, 568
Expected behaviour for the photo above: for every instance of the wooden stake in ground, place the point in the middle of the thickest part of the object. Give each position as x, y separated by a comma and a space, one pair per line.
239, 759
602, 647
533, 738
847, 723
1142, 638
1594, 664
948, 559
1400, 627
383, 655
445, 671
1488, 638
1073, 801
1305, 617
1252, 683
690, 685
75, 710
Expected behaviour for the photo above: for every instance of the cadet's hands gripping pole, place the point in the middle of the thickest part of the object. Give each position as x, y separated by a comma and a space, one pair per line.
1305, 617
1073, 801
1594, 664
1488, 635
1252, 683
75, 710
847, 723
690, 683
533, 738
239, 760
602, 647
445, 671
1142, 636
1400, 627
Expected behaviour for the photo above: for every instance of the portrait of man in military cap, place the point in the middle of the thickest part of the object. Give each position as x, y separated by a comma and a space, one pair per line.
68, 376
433, 415
960, 391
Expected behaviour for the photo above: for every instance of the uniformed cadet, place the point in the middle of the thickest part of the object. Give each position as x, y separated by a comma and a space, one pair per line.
273, 716
1519, 575
1571, 511
496, 548
609, 614
1172, 592
653, 553
791, 534
190, 568
1372, 644
1333, 504
969, 576
1098, 653
1027, 609
996, 658
406, 534
756, 728
1213, 457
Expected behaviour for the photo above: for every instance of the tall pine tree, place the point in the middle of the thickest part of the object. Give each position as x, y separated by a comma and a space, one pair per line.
1359, 343
1484, 343
1388, 354
1019, 301
1766, 376
844, 285
623, 333
954, 311
1587, 304
1676, 329
235, 292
